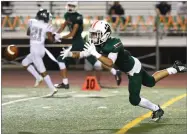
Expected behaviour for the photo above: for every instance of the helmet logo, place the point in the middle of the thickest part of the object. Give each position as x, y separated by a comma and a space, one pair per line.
106, 26
43, 14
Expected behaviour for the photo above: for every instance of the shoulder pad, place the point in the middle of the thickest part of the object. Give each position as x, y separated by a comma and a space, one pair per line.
30, 21
115, 41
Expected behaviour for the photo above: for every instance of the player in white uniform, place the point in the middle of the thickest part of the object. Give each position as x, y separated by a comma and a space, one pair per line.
37, 30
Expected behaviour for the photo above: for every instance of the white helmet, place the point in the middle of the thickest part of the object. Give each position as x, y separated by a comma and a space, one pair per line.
99, 32
71, 6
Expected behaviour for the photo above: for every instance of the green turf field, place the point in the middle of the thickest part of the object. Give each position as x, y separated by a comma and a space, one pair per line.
80, 112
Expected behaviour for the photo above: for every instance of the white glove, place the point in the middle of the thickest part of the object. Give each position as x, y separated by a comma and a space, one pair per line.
57, 37
90, 49
66, 52
84, 54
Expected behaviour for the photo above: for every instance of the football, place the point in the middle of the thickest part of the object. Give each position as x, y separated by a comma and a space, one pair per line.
11, 52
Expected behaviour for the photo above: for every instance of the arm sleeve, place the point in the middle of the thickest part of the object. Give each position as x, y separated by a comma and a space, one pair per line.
113, 56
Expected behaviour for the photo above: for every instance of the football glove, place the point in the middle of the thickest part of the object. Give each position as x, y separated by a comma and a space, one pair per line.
90, 49
66, 52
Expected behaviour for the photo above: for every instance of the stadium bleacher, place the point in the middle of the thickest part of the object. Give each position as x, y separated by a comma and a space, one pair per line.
17, 21
90, 8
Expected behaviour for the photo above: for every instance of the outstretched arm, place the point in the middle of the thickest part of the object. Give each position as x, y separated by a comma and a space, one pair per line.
110, 60
106, 61
72, 33
62, 27
67, 53
28, 31
50, 36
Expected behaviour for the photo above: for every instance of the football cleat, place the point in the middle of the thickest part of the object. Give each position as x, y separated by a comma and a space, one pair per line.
156, 115
179, 66
118, 77
38, 82
52, 93
62, 85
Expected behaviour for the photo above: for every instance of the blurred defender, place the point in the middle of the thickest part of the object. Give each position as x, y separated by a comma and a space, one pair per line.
37, 30
103, 44
74, 21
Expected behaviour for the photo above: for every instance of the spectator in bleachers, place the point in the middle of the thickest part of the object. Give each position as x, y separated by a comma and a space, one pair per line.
182, 8
7, 8
163, 10
117, 13
182, 15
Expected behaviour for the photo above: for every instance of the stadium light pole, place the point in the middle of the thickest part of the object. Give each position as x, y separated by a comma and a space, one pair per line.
157, 45
51, 7
107, 7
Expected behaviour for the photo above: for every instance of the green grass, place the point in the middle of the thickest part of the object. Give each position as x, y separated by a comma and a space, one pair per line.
88, 112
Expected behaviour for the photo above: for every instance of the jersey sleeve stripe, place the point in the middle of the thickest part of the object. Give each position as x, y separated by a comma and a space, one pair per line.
49, 26
118, 45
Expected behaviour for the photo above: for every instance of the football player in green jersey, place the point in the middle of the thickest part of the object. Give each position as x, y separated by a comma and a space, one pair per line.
91, 63
102, 44
74, 21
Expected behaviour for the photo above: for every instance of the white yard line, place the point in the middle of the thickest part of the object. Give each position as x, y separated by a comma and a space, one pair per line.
32, 98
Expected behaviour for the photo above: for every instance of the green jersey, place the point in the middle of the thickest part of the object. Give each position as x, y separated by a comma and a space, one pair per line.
124, 61
72, 19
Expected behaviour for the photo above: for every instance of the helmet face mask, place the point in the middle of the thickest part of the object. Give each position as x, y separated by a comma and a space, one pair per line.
71, 8
44, 15
99, 32
50, 17
95, 36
